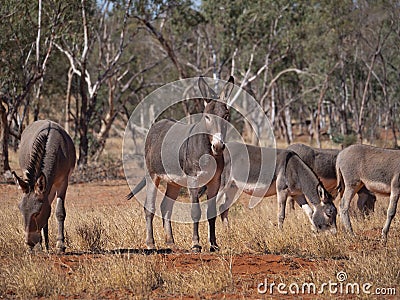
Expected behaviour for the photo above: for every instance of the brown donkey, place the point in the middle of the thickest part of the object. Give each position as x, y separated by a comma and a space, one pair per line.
47, 158
188, 155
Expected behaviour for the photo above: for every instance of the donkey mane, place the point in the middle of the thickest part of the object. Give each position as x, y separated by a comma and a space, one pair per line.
36, 162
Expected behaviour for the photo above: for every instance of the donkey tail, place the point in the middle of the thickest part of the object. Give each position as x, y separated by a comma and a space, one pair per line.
202, 191
340, 182
137, 189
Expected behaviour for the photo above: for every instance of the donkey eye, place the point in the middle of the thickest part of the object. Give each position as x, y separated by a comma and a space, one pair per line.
208, 119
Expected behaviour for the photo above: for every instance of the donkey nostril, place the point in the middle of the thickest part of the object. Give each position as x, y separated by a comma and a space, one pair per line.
217, 147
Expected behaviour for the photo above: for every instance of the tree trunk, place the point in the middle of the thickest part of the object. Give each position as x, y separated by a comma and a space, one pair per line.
83, 122
318, 119
288, 122
68, 101
107, 122
393, 123
361, 119
4, 136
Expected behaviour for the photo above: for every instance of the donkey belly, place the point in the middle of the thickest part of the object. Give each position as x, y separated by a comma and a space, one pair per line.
257, 189
377, 187
329, 184
200, 179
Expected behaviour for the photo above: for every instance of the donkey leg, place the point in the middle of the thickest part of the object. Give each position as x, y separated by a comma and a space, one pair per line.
224, 211
45, 229
282, 196
366, 201
291, 203
302, 202
212, 190
149, 210
166, 211
196, 215
60, 214
46, 236
394, 198
224, 207
348, 194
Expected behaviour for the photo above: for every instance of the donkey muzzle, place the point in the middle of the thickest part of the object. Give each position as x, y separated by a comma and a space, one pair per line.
217, 144
33, 238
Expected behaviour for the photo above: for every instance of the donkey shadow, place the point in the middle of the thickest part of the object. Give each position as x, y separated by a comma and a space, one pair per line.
122, 251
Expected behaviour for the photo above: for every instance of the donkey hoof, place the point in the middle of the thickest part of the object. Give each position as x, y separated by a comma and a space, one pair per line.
172, 246
60, 249
214, 248
150, 246
196, 248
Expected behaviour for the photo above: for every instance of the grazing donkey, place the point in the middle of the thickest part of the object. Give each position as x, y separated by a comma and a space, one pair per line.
47, 158
375, 168
323, 163
204, 139
291, 177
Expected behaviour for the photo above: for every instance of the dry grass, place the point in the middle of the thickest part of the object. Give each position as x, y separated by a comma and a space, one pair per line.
93, 271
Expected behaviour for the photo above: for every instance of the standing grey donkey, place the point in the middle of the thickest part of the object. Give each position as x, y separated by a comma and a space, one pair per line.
47, 159
375, 168
290, 177
198, 152
323, 163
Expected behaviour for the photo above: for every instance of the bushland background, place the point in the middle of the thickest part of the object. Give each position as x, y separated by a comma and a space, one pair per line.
328, 70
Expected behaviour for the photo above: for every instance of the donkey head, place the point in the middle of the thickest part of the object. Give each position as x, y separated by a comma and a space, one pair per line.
324, 216
34, 205
216, 113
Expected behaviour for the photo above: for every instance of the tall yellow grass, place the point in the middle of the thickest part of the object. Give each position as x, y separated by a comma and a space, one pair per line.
94, 272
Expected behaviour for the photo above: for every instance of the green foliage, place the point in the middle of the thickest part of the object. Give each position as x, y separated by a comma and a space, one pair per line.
17, 37
345, 140
331, 43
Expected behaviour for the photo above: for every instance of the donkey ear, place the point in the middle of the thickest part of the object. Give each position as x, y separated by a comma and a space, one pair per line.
323, 194
40, 185
207, 93
227, 90
23, 185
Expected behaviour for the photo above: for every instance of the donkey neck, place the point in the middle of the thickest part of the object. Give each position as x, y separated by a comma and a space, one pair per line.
308, 181
196, 145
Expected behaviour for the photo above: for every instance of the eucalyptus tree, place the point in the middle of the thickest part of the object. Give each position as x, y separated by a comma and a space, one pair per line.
26, 46
94, 61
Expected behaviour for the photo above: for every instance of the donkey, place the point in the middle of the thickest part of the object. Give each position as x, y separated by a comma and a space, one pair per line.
47, 158
323, 163
204, 139
291, 176
375, 168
